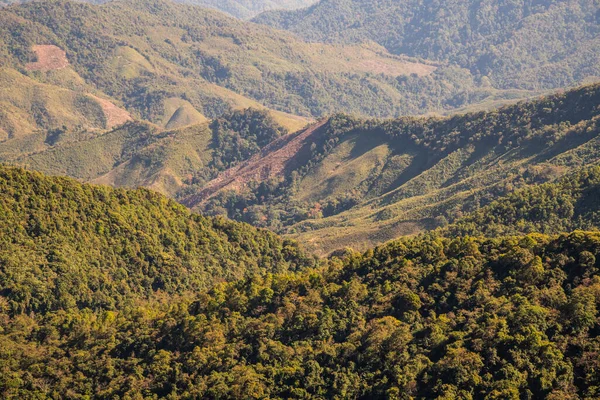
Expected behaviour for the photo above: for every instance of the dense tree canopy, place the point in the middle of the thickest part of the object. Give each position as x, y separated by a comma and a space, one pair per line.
65, 245
422, 318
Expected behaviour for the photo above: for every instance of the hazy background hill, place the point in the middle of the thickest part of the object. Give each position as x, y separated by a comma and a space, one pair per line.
512, 44
243, 9
249, 8
146, 53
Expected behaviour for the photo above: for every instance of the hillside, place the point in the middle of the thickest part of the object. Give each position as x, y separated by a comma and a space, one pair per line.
120, 294
170, 161
352, 182
66, 245
518, 44
571, 203
208, 62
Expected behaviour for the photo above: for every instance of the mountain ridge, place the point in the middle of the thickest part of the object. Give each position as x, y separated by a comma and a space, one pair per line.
518, 44
357, 181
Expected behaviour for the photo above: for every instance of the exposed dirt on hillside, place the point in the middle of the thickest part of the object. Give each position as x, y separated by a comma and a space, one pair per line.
115, 116
269, 163
49, 58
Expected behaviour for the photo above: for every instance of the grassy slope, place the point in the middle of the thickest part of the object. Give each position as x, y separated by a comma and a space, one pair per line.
141, 52
403, 176
142, 154
29, 105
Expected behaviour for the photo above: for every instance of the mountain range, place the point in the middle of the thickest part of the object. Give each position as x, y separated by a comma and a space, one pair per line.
344, 181
510, 44
198, 59
357, 183
210, 111
338, 199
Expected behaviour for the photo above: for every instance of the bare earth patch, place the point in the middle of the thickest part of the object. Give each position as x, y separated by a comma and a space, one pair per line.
115, 116
269, 163
49, 58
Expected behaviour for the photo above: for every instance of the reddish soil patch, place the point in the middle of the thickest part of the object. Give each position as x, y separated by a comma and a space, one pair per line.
269, 163
115, 116
49, 58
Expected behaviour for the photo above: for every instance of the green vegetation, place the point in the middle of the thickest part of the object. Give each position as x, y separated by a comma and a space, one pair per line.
125, 294
66, 246
241, 134
516, 44
569, 204
102, 297
141, 53
356, 183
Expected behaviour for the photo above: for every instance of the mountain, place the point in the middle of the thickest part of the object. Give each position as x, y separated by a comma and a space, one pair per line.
111, 293
67, 245
202, 60
518, 44
352, 182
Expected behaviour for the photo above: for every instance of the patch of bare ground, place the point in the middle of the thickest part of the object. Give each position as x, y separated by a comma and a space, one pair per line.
49, 58
269, 163
114, 115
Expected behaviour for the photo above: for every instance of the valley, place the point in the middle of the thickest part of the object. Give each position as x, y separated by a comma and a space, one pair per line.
299, 199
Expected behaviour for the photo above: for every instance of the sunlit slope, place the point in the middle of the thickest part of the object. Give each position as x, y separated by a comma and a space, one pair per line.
185, 52
351, 182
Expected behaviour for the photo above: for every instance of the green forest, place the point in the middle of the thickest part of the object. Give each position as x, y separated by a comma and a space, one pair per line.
299, 199
105, 294
65, 245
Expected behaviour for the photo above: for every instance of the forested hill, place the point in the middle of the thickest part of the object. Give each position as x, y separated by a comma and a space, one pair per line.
427, 317
67, 245
523, 43
571, 203
355, 182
